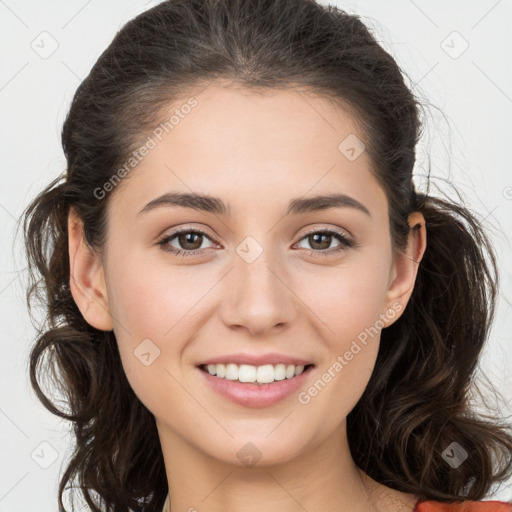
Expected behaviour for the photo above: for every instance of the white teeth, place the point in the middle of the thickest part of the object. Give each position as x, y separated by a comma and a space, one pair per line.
260, 374
246, 373
231, 371
290, 371
265, 374
280, 371
221, 370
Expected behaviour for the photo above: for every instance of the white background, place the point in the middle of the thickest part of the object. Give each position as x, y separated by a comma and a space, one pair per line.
469, 145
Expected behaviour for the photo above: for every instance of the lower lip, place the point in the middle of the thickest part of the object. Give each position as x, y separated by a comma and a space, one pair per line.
256, 395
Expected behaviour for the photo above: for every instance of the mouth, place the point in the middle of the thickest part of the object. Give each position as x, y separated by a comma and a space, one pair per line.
257, 375
256, 386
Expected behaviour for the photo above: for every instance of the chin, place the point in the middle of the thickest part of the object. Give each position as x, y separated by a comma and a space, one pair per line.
259, 451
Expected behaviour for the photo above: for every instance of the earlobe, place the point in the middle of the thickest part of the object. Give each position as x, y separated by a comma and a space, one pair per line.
86, 277
406, 264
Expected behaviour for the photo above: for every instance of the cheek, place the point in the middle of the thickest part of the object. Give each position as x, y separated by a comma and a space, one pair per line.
350, 299
349, 305
149, 299
143, 307
156, 310
145, 313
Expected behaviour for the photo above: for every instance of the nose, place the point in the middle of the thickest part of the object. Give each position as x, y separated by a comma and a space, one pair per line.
258, 295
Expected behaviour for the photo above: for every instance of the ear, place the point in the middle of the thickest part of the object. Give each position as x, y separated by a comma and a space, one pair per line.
87, 279
405, 266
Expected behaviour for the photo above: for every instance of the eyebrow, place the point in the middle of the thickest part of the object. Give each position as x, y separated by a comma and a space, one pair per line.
215, 205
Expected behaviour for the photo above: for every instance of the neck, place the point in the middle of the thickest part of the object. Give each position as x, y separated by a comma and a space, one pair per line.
322, 477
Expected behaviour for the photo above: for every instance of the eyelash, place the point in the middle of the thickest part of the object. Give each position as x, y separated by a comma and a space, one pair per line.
345, 242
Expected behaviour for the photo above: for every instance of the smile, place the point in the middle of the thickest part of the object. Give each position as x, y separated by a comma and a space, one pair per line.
265, 374
255, 386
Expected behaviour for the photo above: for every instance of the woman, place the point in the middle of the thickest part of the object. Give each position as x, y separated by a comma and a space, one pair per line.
316, 353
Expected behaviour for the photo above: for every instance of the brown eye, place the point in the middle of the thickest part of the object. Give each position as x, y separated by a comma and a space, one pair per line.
321, 240
189, 242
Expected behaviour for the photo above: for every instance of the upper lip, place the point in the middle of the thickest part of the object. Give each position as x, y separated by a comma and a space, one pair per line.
256, 360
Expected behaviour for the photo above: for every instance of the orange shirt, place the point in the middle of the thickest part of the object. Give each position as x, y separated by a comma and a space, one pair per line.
438, 506
464, 506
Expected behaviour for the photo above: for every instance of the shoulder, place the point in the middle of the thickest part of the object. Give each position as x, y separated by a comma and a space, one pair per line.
463, 506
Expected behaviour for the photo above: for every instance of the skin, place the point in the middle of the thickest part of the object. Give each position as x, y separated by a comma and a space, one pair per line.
256, 153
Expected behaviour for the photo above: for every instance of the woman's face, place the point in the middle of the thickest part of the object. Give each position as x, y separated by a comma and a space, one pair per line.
264, 277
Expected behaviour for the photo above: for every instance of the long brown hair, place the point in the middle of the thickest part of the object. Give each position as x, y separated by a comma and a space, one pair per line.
416, 403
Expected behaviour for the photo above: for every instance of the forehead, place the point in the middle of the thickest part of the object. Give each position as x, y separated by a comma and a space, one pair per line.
262, 124
252, 144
